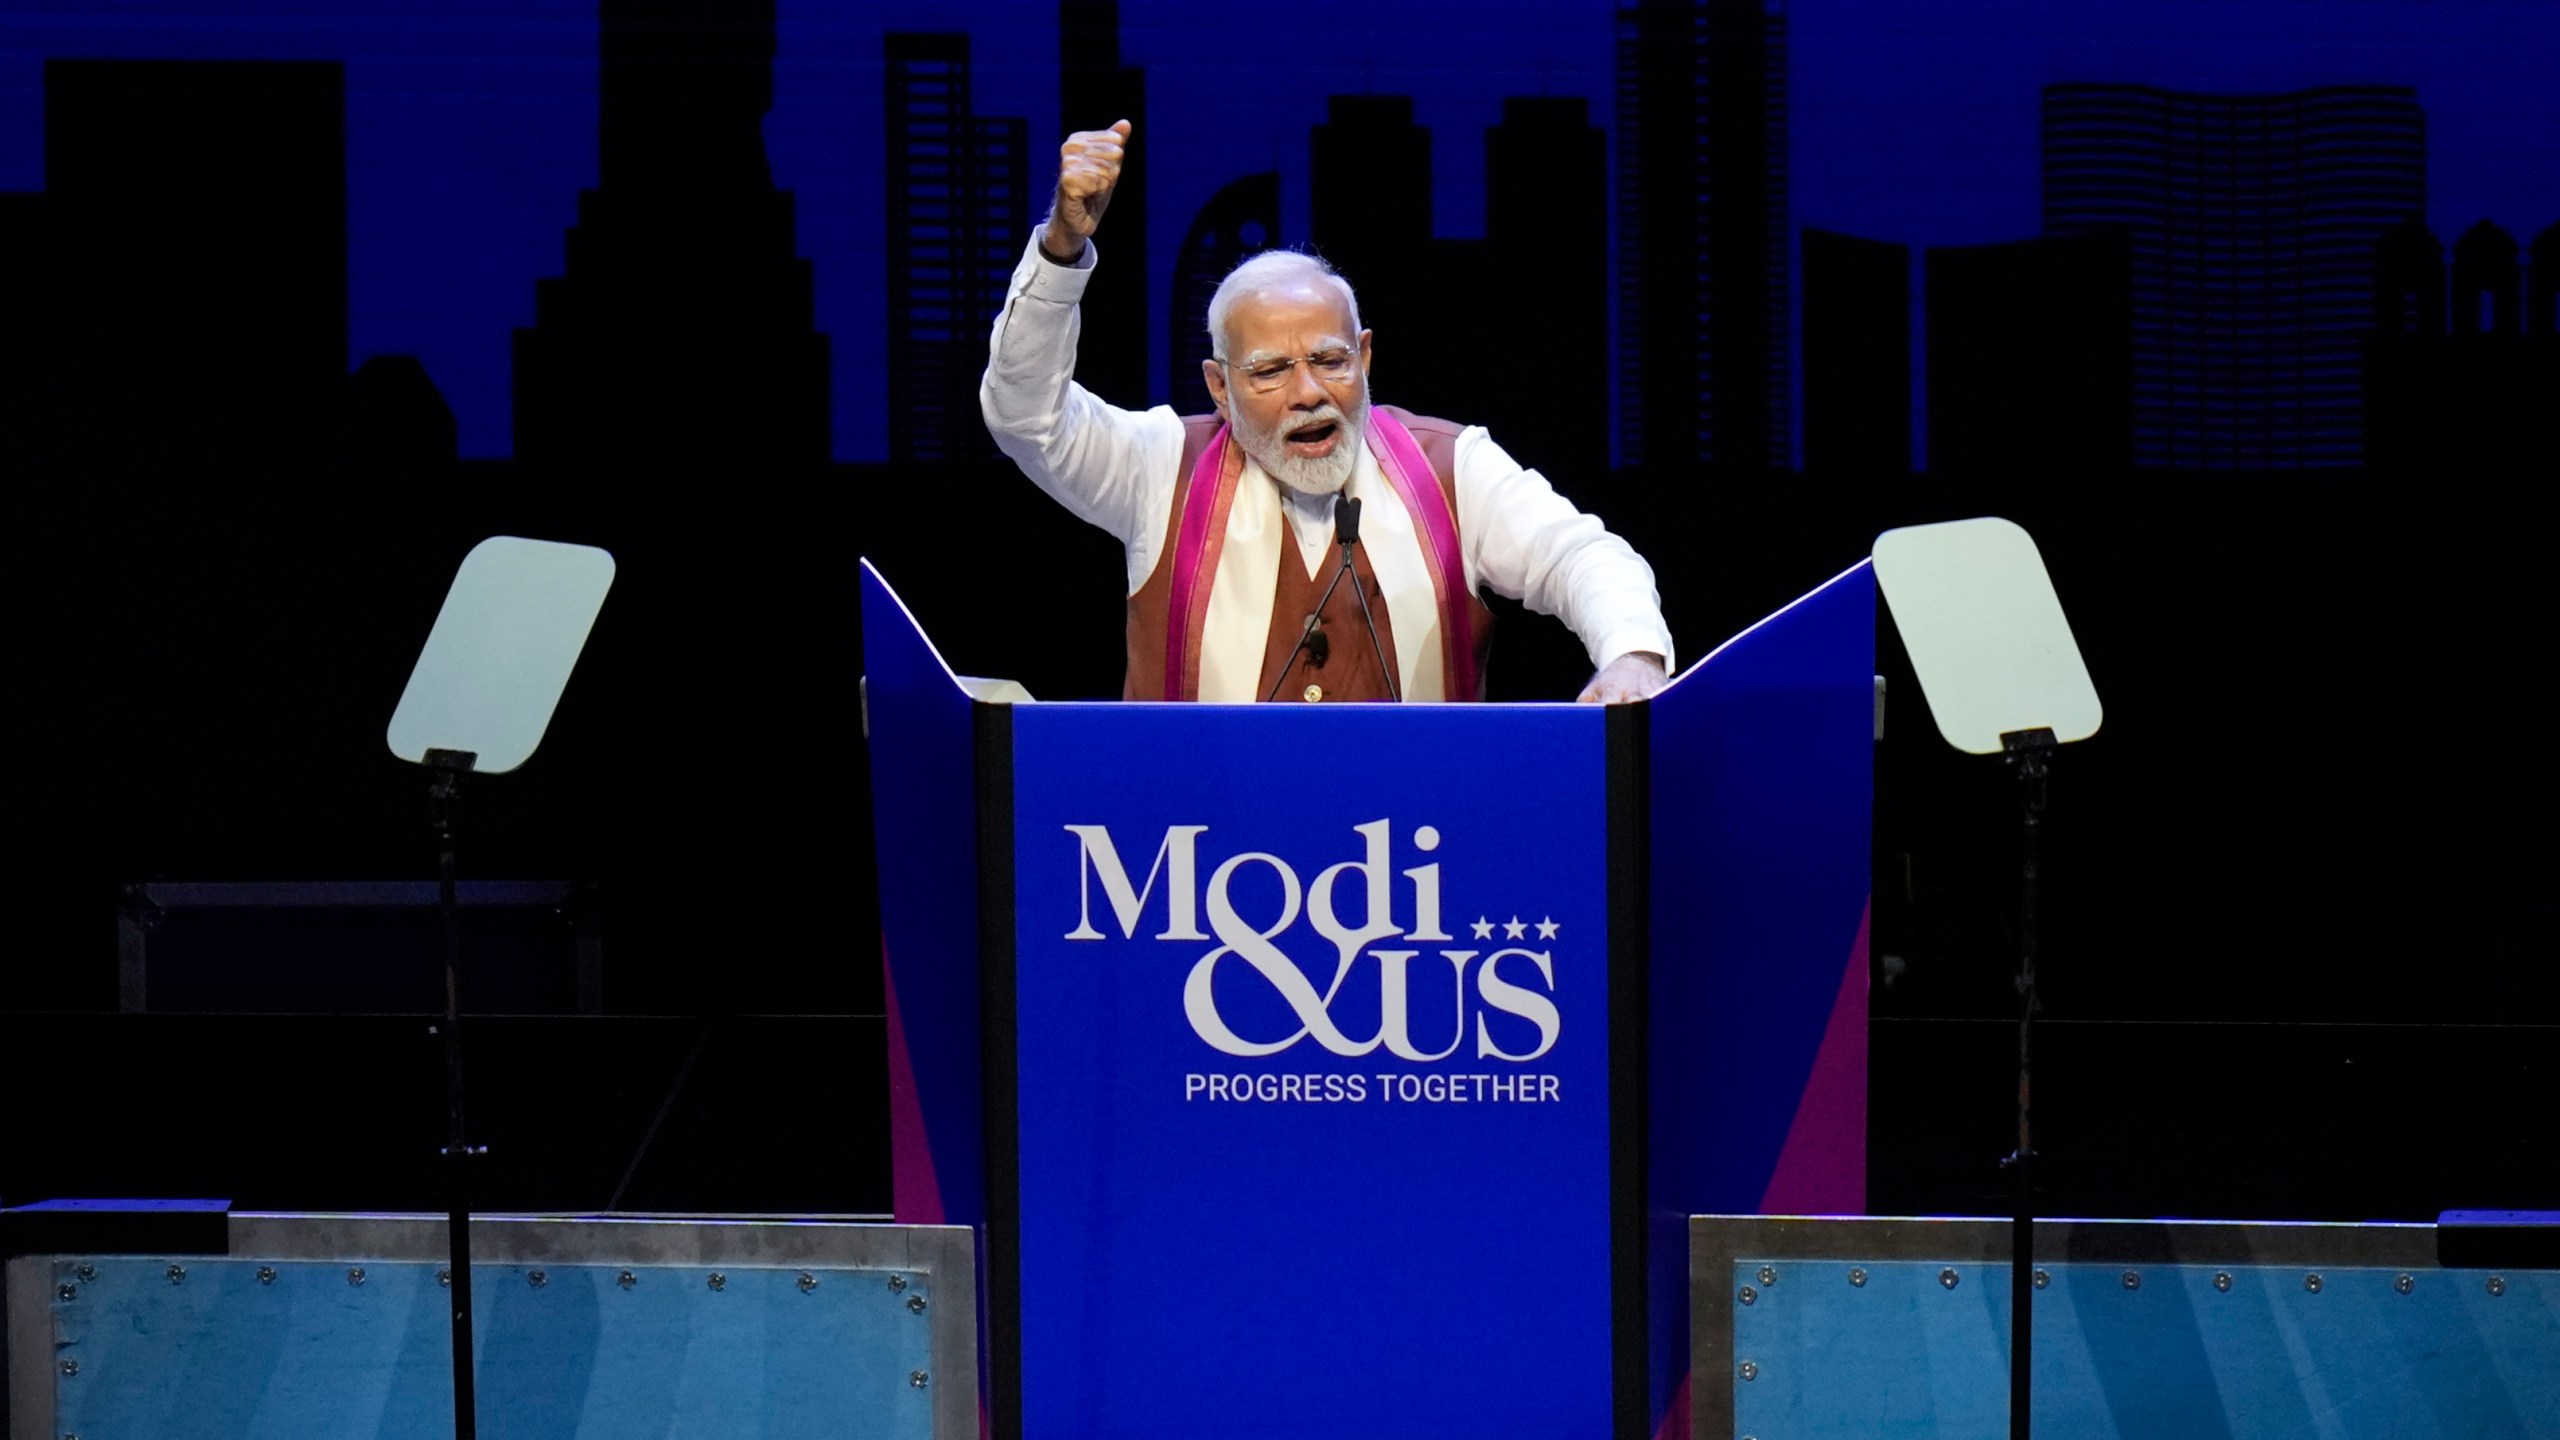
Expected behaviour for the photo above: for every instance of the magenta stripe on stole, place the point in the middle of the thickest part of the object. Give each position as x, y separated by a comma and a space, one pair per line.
1409, 470
1189, 543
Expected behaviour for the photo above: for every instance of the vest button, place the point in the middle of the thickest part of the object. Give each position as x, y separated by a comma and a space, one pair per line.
1314, 692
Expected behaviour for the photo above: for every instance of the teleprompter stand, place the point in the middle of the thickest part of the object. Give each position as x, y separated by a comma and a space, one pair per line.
478, 701
448, 767
2003, 676
2028, 754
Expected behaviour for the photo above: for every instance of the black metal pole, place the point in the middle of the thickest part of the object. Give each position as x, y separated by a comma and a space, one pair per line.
449, 767
2028, 753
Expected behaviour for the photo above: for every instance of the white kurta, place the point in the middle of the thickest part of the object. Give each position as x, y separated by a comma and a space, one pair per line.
1117, 469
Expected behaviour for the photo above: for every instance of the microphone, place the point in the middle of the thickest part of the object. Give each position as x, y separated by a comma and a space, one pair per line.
1346, 533
1312, 641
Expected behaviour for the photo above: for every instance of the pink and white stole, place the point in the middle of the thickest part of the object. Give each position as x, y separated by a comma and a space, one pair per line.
1202, 529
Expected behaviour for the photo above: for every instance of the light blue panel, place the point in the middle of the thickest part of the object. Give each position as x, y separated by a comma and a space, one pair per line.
223, 1353
2172, 1357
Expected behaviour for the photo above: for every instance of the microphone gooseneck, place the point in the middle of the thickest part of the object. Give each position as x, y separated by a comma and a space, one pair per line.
1312, 641
1346, 533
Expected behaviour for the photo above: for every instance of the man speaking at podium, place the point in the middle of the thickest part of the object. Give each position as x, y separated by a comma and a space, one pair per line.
1298, 543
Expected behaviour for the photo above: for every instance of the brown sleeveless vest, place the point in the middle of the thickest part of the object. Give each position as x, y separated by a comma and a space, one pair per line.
1350, 668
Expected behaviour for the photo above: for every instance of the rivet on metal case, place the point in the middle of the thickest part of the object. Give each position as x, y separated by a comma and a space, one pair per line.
177, 1274
626, 1279
1750, 1370
2497, 1284
808, 1282
1948, 1277
2311, 1283
917, 1378
1857, 1276
266, 1274
355, 1274
66, 1292
85, 1271
537, 1278
915, 1303
2404, 1283
444, 1277
1768, 1275
2222, 1280
2043, 1278
897, 1283
1746, 1295
719, 1281
70, 1367
2133, 1279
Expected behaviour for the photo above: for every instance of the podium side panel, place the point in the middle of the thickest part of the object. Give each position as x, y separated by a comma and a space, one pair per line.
1762, 772
924, 807
1280, 1172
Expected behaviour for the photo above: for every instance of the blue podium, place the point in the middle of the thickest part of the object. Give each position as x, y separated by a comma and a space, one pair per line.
1316, 1071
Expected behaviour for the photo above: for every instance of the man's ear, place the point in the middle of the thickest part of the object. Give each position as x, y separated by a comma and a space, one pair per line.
1365, 355
1214, 375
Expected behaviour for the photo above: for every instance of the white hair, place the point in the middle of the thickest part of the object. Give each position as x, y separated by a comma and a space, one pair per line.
1270, 271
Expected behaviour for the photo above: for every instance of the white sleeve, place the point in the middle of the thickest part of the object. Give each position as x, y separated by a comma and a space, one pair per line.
1110, 467
1524, 540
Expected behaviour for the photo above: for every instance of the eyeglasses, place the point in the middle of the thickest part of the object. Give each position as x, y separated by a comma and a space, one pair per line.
1332, 366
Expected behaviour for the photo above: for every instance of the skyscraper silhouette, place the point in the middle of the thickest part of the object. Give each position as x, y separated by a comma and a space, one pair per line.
1857, 355
1241, 219
1371, 191
199, 239
1546, 225
683, 331
959, 215
2458, 370
212, 549
2030, 355
1424, 295
2253, 221
1094, 89
1705, 294
2488, 283
2408, 280
1369, 194
2401, 380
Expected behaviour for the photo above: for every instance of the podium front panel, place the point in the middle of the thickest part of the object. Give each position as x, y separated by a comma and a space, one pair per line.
1311, 1070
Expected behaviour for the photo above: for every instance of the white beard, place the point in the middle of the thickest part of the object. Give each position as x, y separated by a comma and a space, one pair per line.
1316, 475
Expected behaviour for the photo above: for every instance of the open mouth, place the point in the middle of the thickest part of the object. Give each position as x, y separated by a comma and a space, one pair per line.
1315, 439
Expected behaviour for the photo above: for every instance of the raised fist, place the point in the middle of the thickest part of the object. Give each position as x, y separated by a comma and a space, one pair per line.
1088, 166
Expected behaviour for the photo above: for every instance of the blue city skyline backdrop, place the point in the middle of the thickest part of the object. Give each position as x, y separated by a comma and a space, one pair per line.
470, 134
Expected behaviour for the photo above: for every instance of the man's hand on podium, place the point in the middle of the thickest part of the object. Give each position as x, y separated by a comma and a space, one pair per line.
1088, 167
1635, 675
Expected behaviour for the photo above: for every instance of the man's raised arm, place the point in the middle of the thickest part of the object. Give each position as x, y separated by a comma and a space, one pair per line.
1111, 467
